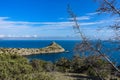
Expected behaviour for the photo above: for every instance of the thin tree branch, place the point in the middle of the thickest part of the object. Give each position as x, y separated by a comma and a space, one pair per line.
85, 39
113, 7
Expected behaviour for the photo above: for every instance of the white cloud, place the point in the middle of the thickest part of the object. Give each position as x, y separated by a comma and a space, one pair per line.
2, 36
9, 28
81, 18
13, 36
21, 24
8, 24
92, 13
4, 18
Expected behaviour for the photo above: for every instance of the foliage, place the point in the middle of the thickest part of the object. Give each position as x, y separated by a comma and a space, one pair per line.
63, 64
77, 64
40, 65
15, 67
83, 65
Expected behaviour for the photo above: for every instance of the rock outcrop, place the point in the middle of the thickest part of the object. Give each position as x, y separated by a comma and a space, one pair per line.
52, 48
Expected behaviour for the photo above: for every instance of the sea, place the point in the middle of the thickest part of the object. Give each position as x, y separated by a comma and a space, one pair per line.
68, 45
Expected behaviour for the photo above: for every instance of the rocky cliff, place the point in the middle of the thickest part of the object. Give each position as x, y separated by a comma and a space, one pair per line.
52, 48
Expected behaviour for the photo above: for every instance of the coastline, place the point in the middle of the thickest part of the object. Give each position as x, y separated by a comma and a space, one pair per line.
52, 48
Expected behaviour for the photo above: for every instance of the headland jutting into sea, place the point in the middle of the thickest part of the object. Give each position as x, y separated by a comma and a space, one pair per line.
52, 48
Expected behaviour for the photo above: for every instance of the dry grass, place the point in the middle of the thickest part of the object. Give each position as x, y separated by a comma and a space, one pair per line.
69, 76
74, 76
61, 76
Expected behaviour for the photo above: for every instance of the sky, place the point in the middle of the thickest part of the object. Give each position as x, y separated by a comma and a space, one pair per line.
50, 19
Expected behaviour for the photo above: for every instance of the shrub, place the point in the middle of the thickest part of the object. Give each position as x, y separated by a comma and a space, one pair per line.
97, 64
63, 64
89, 65
15, 67
40, 65
77, 64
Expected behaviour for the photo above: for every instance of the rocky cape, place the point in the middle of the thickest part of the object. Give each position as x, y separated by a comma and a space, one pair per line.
52, 48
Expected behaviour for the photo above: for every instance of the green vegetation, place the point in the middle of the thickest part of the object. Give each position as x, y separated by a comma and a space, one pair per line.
91, 66
15, 67
39, 65
63, 65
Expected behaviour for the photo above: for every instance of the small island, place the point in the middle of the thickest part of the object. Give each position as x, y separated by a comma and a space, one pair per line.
52, 48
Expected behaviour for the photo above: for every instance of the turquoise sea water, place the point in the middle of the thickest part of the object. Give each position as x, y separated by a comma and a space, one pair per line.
67, 44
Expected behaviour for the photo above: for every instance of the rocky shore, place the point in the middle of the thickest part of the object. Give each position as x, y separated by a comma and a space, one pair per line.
52, 48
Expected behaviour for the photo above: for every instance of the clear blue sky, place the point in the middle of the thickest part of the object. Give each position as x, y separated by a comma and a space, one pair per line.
49, 18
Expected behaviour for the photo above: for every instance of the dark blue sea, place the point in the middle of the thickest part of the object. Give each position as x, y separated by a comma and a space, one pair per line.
69, 45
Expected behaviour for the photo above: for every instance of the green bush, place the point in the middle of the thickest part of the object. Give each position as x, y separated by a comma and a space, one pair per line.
40, 65
64, 64
37, 65
15, 67
87, 65
77, 64
99, 65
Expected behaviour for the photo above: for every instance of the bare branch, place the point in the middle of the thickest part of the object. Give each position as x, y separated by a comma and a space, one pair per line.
86, 45
109, 6
112, 6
